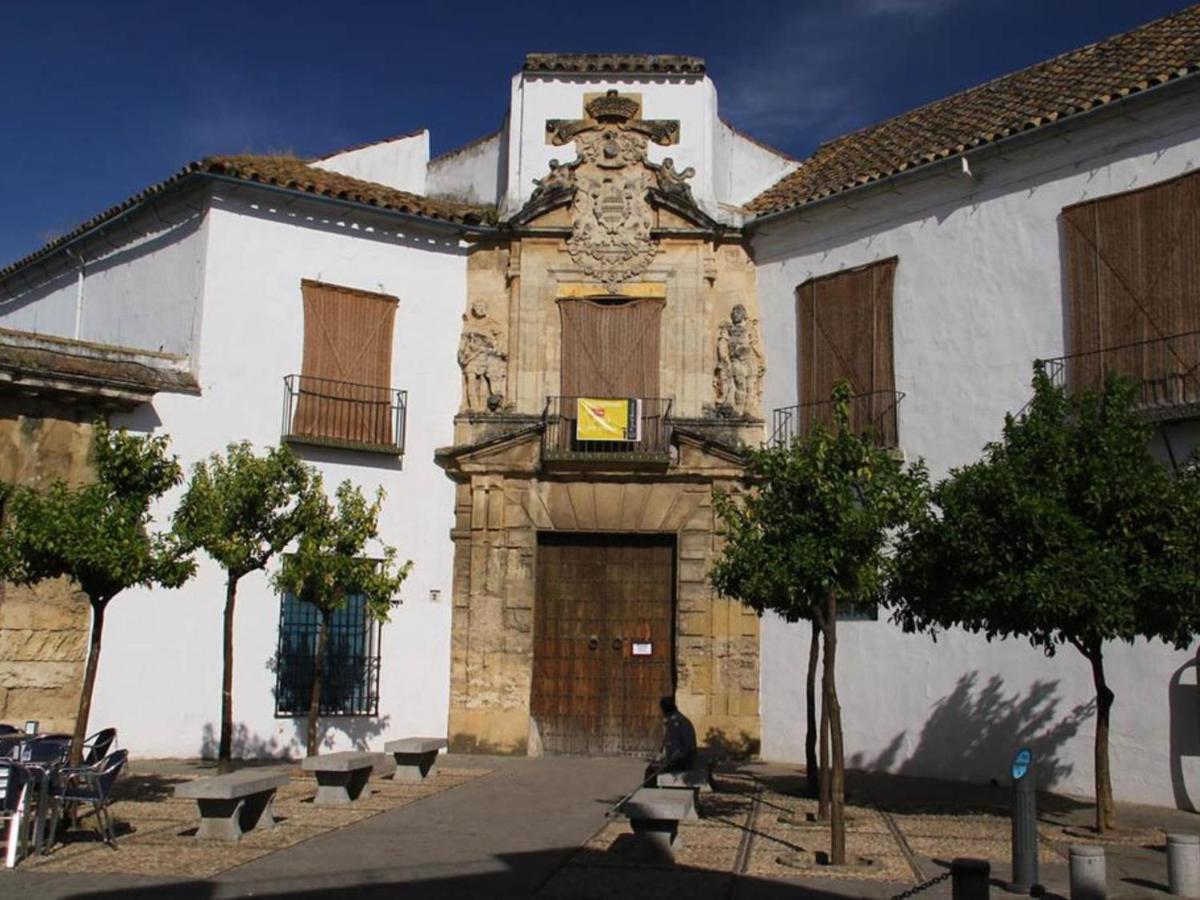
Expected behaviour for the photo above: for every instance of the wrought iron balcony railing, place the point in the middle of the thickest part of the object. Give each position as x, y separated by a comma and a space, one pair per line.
327, 413
650, 442
1166, 371
871, 413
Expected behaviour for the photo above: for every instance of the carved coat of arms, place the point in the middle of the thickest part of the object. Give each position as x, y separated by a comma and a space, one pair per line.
610, 238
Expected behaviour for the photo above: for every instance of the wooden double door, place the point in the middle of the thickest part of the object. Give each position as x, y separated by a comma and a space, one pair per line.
604, 650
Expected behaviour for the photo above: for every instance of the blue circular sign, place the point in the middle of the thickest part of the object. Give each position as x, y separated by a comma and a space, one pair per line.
1021, 763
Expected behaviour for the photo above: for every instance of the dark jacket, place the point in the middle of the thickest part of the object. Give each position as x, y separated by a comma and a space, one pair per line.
679, 742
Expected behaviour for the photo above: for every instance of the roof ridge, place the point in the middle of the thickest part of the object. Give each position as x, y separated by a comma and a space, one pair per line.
364, 145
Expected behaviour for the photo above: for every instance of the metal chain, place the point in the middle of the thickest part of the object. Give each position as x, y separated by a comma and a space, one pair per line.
924, 886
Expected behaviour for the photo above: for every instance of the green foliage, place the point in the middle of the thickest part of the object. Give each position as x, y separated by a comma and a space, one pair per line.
1067, 530
818, 518
97, 534
329, 564
242, 508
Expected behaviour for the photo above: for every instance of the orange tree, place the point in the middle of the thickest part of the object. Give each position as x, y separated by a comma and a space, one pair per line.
814, 529
1067, 531
98, 535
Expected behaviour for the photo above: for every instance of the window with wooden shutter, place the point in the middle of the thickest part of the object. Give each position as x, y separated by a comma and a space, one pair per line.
610, 348
344, 392
844, 332
1133, 285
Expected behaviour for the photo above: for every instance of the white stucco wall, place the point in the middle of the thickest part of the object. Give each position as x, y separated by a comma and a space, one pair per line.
470, 173
398, 162
745, 168
142, 285
159, 679
978, 296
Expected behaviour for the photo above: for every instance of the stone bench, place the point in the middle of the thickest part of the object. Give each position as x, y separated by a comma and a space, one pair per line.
697, 780
342, 777
416, 757
655, 814
233, 804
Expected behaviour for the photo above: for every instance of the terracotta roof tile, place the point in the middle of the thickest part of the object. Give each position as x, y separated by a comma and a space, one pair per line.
1153, 54
291, 174
614, 62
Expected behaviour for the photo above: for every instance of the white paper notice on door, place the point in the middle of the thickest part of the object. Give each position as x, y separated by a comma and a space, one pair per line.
642, 649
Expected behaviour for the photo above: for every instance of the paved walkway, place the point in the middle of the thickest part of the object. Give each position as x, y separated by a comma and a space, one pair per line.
506, 834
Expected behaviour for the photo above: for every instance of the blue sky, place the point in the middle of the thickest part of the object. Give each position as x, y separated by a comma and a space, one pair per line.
104, 97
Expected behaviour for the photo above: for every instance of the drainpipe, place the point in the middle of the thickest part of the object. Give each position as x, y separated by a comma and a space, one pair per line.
78, 293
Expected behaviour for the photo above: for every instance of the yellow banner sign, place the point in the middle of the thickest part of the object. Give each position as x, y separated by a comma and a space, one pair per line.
607, 419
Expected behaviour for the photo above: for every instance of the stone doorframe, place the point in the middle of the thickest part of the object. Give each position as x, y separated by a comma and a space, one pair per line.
503, 500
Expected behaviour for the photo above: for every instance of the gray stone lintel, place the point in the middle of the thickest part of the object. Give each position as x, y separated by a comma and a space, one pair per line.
342, 761
415, 745
659, 804
233, 786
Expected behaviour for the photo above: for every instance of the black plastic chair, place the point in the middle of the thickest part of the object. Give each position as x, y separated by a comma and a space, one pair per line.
15, 784
89, 784
97, 746
47, 750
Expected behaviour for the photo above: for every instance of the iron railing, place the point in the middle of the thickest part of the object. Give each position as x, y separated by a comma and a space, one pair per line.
350, 674
870, 413
560, 439
329, 413
1166, 371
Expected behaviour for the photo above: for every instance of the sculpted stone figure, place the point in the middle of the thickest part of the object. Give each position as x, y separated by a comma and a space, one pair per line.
560, 178
483, 361
673, 183
740, 366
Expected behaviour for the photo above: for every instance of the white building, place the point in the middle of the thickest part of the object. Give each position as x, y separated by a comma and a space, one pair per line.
929, 255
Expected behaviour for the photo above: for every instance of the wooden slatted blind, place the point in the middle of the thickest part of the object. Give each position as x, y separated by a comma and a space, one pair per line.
345, 382
1133, 278
844, 331
611, 349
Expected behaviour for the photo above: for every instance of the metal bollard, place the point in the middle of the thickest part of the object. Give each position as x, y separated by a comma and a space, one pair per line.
970, 879
1089, 881
1183, 864
1024, 832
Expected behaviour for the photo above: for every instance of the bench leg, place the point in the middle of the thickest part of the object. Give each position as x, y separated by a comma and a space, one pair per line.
415, 766
655, 840
342, 788
259, 811
220, 820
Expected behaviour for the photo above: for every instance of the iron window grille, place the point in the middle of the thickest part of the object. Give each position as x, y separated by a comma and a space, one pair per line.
350, 677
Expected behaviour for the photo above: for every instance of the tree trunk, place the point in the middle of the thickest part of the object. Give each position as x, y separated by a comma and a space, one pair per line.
314, 705
1105, 818
89, 682
837, 771
225, 751
812, 771
823, 798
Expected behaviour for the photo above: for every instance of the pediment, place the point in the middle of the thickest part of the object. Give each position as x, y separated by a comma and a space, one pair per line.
515, 452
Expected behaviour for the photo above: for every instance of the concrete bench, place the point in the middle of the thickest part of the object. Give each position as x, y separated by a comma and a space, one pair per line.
416, 757
233, 804
342, 777
655, 814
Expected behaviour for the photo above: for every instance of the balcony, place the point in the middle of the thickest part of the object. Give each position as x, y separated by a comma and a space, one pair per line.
1166, 371
321, 412
871, 413
645, 440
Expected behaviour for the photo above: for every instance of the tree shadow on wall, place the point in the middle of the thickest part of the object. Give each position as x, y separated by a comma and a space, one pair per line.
973, 732
244, 745
1184, 701
358, 730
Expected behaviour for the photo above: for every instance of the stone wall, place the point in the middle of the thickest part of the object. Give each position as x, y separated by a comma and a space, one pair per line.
43, 629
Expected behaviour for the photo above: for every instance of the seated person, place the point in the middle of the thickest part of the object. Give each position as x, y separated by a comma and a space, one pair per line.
679, 742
